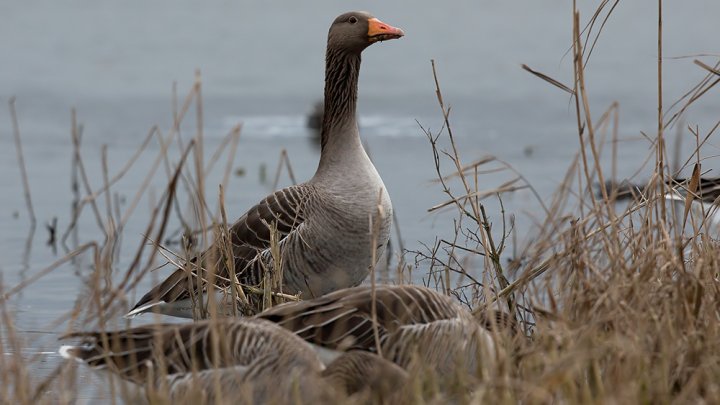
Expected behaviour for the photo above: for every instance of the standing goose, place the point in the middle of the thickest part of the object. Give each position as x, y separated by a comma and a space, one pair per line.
323, 225
414, 324
249, 361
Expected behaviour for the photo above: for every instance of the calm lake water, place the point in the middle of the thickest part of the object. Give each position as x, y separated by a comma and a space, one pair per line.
262, 65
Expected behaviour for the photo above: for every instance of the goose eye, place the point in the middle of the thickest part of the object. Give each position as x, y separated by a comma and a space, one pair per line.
352, 20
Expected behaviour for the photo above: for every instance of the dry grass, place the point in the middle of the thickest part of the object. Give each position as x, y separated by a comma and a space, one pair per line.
617, 304
620, 305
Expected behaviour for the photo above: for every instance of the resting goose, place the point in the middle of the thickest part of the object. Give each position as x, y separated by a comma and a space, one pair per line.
416, 326
708, 189
324, 224
704, 204
238, 360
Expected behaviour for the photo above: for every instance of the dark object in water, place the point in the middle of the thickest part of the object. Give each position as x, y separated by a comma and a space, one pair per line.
52, 232
314, 123
314, 119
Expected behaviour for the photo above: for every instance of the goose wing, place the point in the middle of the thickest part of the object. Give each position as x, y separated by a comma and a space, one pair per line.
344, 319
363, 374
250, 235
444, 345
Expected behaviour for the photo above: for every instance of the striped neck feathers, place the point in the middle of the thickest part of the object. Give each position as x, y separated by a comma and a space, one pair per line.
341, 83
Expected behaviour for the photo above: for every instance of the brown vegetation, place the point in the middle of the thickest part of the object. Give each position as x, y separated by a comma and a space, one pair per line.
614, 305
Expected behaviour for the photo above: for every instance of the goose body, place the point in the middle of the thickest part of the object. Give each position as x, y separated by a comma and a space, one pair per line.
328, 227
170, 356
248, 361
416, 326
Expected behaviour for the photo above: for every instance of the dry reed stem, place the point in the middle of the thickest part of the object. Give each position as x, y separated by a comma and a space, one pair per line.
660, 125
201, 215
283, 161
712, 70
549, 79
236, 292
161, 155
21, 164
178, 261
124, 169
42, 273
587, 123
126, 282
234, 141
478, 214
76, 135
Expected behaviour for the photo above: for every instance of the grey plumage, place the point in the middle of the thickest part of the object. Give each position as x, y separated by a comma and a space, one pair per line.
366, 377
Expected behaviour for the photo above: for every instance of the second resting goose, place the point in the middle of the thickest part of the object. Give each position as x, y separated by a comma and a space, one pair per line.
417, 328
234, 361
324, 225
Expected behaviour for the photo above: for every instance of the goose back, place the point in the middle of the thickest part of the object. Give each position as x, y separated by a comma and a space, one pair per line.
344, 319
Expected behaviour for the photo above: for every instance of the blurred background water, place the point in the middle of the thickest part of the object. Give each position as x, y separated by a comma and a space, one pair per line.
262, 65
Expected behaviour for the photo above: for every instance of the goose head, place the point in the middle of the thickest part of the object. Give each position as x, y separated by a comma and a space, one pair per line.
356, 30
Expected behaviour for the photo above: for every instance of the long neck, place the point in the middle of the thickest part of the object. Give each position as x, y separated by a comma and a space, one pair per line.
341, 82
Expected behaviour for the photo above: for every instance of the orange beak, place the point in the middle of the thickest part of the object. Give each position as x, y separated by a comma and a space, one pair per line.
379, 31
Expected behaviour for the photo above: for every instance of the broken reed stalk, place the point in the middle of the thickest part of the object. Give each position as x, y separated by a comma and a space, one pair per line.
236, 292
283, 161
274, 278
21, 165
272, 274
